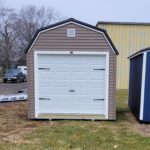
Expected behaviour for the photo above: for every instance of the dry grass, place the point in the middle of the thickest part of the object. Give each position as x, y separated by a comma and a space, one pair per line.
17, 132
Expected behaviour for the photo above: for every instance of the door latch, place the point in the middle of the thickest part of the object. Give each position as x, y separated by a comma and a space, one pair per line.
44, 99
98, 99
99, 69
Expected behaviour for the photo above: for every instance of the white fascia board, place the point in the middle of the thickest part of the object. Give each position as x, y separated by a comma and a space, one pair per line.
36, 91
74, 52
107, 87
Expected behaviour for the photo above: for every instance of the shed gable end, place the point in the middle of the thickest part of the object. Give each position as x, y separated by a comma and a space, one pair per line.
84, 39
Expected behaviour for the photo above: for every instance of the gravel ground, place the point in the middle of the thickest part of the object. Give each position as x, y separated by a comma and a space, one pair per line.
11, 88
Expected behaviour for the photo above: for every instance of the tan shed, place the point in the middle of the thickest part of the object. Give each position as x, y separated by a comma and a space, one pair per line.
71, 73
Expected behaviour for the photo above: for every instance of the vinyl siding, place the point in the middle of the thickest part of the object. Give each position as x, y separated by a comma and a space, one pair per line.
128, 39
85, 40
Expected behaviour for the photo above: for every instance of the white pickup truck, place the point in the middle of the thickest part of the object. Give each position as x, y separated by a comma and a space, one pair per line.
23, 70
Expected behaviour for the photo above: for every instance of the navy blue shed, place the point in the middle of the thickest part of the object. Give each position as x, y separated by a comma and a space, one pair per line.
139, 85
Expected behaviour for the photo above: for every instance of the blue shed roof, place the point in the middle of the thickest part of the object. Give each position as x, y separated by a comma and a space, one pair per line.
139, 52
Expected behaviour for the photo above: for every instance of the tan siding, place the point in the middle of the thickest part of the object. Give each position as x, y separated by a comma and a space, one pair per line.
86, 40
112, 86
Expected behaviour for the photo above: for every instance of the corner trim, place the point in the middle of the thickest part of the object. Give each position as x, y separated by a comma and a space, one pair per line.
143, 85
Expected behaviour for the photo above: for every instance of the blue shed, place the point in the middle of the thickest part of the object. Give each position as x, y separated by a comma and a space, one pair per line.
139, 85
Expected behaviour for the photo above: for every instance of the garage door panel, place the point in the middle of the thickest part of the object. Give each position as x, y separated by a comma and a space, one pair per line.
97, 75
67, 90
92, 91
96, 83
55, 76
72, 107
71, 68
71, 98
67, 83
75, 76
54, 90
93, 59
72, 84
85, 83
54, 83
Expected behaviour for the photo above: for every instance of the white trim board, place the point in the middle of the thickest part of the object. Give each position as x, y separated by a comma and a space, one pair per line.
143, 85
67, 24
68, 52
36, 53
36, 85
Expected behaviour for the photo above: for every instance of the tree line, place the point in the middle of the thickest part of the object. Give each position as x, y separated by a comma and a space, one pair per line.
17, 28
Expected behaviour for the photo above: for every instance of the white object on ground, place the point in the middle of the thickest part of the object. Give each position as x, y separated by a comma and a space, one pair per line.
13, 97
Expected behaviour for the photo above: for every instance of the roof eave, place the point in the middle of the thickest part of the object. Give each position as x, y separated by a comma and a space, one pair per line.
123, 23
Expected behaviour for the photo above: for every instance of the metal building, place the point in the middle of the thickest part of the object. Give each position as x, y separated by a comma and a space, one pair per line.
128, 39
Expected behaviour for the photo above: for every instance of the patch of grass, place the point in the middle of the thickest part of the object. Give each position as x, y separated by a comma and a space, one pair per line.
17, 132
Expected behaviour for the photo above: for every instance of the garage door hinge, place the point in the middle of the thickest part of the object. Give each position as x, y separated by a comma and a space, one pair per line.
44, 99
98, 99
44, 68
99, 69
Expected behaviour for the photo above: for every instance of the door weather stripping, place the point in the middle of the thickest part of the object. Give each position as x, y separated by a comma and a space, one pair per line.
98, 99
44, 99
44, 68
99, 69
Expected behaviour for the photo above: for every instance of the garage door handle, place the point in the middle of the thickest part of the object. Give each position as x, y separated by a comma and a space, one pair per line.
71, 90
98, 99
44, 99
99, 69
44, 68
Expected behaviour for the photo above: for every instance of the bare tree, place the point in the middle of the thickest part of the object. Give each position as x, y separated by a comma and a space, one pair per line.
8, 52
31, 18
17, 30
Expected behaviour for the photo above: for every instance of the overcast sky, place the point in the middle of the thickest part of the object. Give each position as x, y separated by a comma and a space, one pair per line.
91, 11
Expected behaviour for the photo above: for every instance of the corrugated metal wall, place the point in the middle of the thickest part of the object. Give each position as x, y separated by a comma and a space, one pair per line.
128, 39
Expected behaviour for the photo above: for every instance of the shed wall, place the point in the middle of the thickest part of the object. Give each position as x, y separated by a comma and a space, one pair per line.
85, 40
135, 82
146, 112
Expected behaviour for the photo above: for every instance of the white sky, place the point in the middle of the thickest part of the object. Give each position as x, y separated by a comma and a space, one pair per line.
92, 11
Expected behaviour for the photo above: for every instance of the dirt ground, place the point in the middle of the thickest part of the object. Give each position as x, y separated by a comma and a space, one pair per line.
11, 88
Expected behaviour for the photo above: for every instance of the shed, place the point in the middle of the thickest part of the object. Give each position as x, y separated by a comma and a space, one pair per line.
139, 85
71, 73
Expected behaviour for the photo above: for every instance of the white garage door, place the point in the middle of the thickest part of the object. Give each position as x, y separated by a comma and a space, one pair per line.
73, 84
